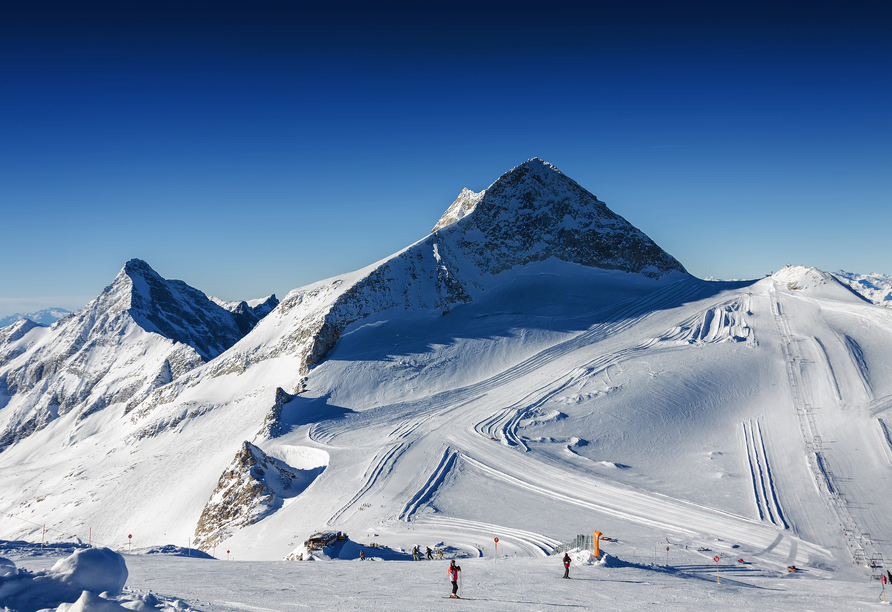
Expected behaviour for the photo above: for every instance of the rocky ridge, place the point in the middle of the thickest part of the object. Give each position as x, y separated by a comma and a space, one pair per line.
141, 333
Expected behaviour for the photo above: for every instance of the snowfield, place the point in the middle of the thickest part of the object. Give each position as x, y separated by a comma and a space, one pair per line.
440, 399
689, 581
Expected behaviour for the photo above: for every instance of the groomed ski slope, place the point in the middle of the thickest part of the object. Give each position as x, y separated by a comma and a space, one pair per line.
749, 419
702, 413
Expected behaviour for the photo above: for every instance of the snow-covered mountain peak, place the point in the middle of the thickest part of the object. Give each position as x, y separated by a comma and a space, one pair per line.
178, 311
464, 203
534, 212
141, 333
808, 281
801, 277
47, 316
16, 330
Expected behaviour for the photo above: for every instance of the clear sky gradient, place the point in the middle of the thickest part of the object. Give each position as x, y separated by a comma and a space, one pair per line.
250, 151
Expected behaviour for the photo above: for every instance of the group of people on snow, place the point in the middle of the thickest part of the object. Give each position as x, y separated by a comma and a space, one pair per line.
416, 554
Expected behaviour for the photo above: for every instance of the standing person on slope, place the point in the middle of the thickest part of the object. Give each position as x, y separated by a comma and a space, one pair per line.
566, 565
453, 577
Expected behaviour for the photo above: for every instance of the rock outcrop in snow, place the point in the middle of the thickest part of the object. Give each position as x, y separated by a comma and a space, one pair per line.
465, 202
252, 487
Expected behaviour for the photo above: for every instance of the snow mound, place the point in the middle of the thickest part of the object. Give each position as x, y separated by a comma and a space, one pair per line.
801, 278
97, 570
89, 580
171, 550
7, 568
93, 569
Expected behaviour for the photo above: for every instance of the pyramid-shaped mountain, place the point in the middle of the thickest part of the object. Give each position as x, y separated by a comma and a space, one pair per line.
140, 333
534, 212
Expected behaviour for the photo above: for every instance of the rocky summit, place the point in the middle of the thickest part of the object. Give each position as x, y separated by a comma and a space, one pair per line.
534, 212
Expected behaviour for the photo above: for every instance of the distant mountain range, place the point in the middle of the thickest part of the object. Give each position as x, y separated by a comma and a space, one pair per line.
876, 288
47, 316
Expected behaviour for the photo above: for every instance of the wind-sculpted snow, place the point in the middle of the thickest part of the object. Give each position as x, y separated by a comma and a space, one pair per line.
89, 580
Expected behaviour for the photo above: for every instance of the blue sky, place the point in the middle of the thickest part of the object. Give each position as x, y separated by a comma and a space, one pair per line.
252, 151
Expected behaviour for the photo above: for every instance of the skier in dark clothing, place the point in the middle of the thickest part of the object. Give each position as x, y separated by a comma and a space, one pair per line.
566, 565
453, 576
430, 553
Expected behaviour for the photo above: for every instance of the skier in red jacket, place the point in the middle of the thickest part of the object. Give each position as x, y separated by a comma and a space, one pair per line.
453, 576
566, 565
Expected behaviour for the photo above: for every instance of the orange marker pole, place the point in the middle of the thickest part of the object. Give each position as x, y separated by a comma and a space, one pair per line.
717, 578
496, 540
597, 544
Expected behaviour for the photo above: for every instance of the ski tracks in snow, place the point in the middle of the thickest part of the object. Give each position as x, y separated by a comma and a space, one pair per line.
380, 465
436, 478
618, 320
530, 542
448, 418
767, 504
859, 543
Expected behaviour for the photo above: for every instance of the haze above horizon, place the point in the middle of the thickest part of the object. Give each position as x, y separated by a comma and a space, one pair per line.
252, 152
